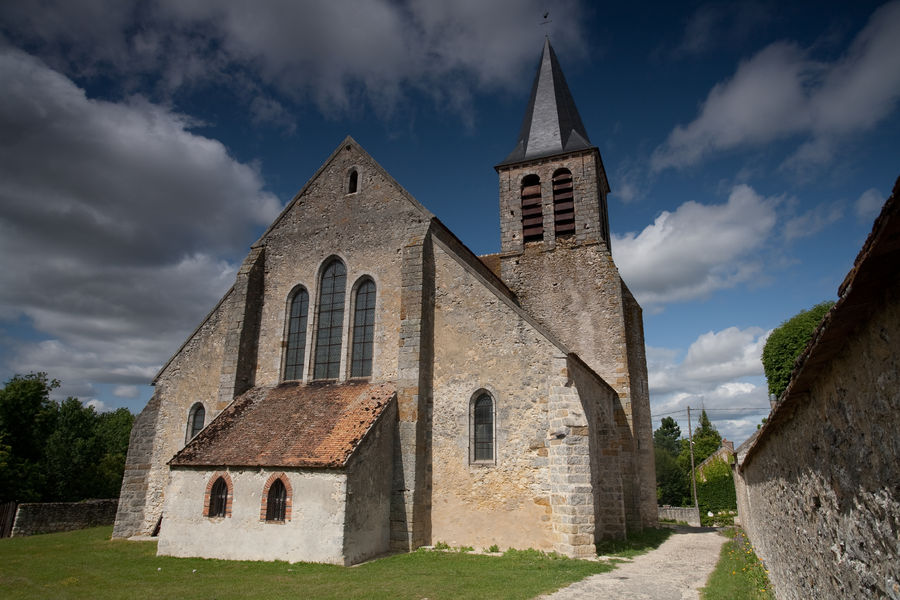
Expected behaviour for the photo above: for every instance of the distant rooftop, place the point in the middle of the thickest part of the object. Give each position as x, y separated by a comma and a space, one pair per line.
552, 124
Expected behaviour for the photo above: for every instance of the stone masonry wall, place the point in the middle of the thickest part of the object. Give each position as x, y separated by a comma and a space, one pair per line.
50, 517
820, 495
193, 375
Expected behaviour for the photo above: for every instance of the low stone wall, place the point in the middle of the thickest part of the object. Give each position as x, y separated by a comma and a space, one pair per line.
51, 517
688, 514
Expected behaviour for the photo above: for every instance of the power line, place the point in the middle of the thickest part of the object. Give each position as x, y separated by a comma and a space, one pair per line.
736, 409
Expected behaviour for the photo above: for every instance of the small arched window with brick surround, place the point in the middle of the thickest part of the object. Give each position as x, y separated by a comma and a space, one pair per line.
363, 329
331, 321
563, 203
532, 209
298, 312
276, 499
217, 503
196, 421
482, 428
352, 181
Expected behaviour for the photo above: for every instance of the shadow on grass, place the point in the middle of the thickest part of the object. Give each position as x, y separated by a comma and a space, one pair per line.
637, 543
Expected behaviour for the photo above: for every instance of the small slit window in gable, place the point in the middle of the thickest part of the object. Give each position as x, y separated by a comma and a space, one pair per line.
352, 182
532, 209
563, 203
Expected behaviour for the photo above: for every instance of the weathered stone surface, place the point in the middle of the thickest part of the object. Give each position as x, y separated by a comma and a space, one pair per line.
50, 517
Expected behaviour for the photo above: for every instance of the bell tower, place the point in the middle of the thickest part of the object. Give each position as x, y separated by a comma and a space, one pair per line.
555, 255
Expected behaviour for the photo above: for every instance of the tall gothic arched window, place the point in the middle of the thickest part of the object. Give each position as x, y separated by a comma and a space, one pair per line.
276, 501
563, 203
218, 498
352, 182
532, 209
483, 428
331, 321
296, 338
196, 420
363, 330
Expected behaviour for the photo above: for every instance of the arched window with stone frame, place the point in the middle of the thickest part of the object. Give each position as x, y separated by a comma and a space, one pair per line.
297, 320
196, 421
352, 181
330, 320
276, 499
363, 340
217, 500
482, 428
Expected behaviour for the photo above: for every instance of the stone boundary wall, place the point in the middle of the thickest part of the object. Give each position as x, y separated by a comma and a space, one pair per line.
51, 517
688, 514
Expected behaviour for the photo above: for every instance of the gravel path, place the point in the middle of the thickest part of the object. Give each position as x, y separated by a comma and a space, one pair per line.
674, 571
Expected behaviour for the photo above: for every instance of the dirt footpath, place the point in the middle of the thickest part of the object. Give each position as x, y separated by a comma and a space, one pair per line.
674, 571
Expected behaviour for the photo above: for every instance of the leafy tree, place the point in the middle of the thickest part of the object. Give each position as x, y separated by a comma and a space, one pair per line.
717, 492
58, 451
672, 482
27, 417
785, 344
706, 441
667, 436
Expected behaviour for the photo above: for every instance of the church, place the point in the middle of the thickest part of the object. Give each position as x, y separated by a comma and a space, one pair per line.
370, 385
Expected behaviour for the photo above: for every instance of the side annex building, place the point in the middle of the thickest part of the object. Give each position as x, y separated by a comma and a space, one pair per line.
370, 385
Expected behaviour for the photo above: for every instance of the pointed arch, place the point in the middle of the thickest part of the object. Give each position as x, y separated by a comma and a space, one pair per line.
196, 421
482, 419
297, 321
363, 328
277, 499
532, 209
352, 181
330, 320
218, 497
563, 203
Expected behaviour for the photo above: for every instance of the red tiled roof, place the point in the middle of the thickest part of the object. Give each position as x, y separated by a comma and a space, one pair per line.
292, 425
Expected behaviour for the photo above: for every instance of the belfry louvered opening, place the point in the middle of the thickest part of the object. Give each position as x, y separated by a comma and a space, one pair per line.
563, 203
532, 209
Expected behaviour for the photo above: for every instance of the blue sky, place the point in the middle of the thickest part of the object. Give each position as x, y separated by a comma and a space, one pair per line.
144, 147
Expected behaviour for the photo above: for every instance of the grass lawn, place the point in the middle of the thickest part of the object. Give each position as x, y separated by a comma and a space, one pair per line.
739, 574
86, 564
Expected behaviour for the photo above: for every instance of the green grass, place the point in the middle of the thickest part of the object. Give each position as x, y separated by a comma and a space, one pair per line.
636, 544
86, 564
739, 574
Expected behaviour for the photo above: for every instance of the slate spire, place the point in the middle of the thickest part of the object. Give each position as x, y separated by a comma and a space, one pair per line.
552, 124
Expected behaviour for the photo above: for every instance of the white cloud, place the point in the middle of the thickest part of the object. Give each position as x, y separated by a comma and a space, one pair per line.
813, 221
126, 391
98, 405
868, 205
339, 54
696, 250
783, 92
119, 228
721, 372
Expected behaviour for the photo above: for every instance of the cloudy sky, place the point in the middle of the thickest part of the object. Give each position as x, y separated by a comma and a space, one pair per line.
145, 145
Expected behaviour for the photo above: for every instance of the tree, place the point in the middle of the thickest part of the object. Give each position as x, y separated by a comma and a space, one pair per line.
706, 441
667, 436
672, 482
27, 417
785, 344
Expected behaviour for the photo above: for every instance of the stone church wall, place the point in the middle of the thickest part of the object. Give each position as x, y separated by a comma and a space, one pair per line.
313, 533
161, 429
367, 528
482, 343
820, 495
366, 230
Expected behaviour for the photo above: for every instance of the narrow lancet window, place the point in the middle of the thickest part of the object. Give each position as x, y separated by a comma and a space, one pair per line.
218, 498
563, 203
483, 428
196, 420
296, 340
363, 330
331, 321
352, 182
532, 209
276, 501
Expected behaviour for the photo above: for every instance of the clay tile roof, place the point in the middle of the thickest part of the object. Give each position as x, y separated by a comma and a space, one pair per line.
314, 425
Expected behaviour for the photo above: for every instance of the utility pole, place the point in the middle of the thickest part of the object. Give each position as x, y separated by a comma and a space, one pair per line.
693, 475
